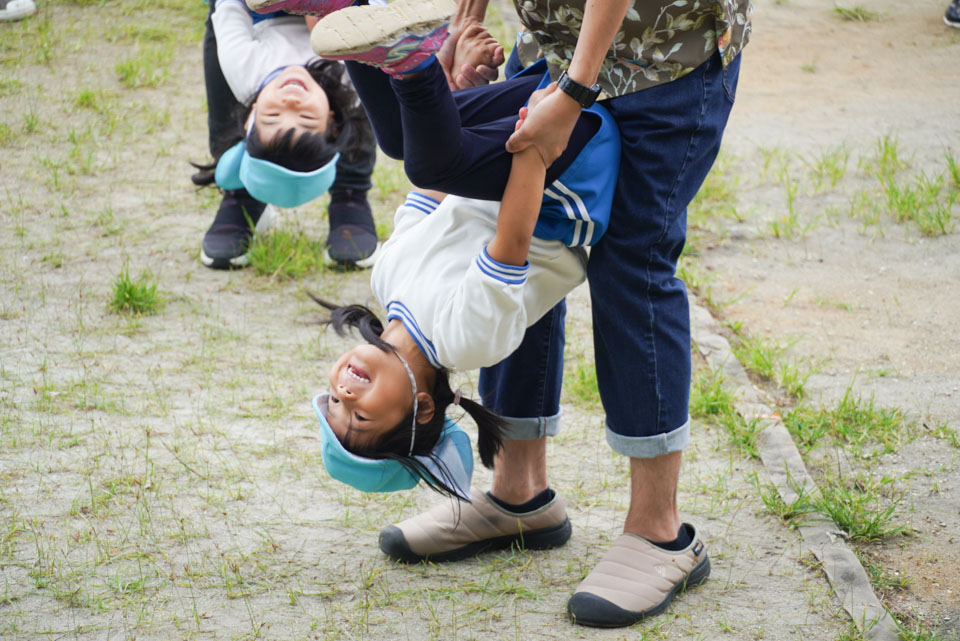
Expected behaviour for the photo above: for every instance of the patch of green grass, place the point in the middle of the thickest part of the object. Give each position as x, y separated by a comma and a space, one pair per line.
861, 506
136, 296
717, 196
882, 581
96, 100
287, 253
581, 384
919, 631
948, 434
709, 397
864, 208
788, 224
854, 422
885, 162
7, 135
857, 13
712, 401
148, 67
829, 167
790, 513
927, 202
953, 169
769, 358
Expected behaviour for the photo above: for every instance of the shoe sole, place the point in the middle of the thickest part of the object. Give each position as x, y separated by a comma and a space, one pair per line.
955, 25
617, 617
13, 16
268, 220
358, 29
393, 544
363, 263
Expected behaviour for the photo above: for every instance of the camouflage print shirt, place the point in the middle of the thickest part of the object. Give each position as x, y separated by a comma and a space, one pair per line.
657, 42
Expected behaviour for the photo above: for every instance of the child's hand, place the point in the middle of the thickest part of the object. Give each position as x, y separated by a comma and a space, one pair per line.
472, 57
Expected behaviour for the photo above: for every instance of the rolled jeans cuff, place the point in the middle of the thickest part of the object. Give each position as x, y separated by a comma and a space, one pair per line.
529, 429
650, 446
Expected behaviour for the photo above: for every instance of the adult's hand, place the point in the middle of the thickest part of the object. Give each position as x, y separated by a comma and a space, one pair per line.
546, 123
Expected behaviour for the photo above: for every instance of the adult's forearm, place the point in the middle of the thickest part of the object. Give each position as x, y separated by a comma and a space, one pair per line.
601, 21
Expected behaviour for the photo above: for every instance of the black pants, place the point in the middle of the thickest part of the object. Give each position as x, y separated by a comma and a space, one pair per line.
225, 122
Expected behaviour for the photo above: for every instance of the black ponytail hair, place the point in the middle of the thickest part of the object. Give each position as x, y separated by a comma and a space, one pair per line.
394, 444
349, 130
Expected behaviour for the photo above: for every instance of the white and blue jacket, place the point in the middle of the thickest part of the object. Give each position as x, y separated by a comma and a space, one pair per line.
466, 310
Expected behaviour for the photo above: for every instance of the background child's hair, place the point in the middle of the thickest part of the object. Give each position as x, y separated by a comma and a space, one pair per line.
395, 443
349, 129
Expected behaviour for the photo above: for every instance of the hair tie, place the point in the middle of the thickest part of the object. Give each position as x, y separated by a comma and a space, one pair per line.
456, 397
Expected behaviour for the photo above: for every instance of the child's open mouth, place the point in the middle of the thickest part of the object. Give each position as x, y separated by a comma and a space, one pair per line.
357, 374
294, 82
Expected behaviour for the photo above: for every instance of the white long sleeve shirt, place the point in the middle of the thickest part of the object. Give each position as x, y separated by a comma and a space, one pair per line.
248, 52
462, 308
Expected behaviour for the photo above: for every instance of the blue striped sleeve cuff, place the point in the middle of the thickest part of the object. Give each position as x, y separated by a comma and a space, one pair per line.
420, 202
509, 274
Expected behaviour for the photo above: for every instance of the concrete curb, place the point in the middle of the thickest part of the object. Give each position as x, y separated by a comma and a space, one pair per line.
789, 474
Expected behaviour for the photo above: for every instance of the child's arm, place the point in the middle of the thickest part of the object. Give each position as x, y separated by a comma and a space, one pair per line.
519, 209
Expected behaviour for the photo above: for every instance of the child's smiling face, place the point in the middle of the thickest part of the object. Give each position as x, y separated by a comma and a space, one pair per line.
370, 393
292, 100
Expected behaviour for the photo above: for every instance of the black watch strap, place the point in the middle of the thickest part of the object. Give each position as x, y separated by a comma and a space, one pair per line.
586, 96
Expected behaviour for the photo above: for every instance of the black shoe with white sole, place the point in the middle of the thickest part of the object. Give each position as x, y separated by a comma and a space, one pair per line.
226, 243
353, 235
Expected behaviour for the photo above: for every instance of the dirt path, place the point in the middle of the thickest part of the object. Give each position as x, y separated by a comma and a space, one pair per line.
876, 304
159, 476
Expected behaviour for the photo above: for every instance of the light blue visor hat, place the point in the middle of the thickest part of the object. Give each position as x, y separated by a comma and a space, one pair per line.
269, 182
385, 475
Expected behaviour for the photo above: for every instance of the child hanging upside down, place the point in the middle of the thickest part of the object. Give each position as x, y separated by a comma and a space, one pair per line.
462, 276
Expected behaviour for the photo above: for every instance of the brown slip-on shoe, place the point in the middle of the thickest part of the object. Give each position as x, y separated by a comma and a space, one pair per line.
635, 580
454, 530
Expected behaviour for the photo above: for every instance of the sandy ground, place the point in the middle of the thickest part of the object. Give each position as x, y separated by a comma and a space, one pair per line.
160, 477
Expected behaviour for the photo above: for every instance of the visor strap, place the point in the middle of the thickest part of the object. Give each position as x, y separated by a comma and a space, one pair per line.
413, 386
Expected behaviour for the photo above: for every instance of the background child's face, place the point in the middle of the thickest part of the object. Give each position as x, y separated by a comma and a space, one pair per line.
370, 393
292, 100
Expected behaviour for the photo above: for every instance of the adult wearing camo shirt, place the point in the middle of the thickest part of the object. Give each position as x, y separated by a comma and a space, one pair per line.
669, 78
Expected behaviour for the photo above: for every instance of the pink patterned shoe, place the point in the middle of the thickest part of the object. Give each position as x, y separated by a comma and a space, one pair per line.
299, 7
397, 37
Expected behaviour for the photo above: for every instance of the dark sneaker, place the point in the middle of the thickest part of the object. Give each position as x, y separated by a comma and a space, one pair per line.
226, 242
16, 9
952, 17
353, 235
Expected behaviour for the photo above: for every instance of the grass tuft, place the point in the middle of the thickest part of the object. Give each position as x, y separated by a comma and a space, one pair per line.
138, 296
287, 253
858, 13
855, 422
859, 507
769, 358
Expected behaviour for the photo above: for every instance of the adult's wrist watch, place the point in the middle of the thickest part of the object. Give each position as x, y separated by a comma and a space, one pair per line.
586, 96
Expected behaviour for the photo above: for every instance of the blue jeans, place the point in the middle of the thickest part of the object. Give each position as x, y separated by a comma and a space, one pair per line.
671, 135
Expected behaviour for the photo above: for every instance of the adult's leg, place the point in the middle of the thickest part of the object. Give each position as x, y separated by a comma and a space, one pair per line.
223, 127
671, 136
225, 243
525, 389
520, 508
